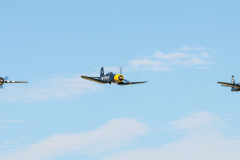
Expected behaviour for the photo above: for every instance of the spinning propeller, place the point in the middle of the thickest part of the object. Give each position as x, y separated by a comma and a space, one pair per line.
121, 68
2, 81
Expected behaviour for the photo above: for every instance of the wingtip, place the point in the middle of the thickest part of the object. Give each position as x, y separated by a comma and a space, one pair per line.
24, 82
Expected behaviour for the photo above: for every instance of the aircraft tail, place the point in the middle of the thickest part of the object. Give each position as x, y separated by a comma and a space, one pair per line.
233, 82
102, 72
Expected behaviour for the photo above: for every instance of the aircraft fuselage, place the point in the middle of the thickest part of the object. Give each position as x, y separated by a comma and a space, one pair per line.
112, 78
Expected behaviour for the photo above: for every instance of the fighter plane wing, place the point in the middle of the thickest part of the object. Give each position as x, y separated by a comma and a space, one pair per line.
229, 85
15, 82
130, 83
94, 79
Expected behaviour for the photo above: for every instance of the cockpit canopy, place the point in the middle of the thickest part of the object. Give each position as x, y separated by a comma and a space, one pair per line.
110, 73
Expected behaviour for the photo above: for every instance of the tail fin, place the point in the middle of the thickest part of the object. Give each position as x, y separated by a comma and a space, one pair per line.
102, 72
233, 80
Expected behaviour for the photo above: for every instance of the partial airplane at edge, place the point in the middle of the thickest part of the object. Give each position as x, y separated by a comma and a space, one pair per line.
111, 78
235, 87
4, 80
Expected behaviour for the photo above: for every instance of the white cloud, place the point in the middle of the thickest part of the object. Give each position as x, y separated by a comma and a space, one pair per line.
205, 55
113, 135
148, 65
185, 56
178, 55
59, 87
197, 121
203, 140
164, 62
146, 62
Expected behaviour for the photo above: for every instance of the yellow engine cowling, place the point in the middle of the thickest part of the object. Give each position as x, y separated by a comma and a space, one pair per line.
118, 77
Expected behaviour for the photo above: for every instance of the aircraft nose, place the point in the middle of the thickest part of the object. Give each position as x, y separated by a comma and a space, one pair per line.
120, 77
1, 80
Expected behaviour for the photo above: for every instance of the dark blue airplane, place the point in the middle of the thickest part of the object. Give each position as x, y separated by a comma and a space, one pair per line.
235, 87
111, 78
4, 80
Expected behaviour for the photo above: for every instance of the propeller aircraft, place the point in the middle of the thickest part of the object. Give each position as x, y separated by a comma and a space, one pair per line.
111, 78
235, 87
4, 80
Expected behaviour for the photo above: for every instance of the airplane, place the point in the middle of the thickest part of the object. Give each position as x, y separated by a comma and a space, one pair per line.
4, 80
235, 87
111, 78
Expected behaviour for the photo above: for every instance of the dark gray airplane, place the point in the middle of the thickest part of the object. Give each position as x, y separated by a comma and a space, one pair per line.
235, 87
4, 80
111, 78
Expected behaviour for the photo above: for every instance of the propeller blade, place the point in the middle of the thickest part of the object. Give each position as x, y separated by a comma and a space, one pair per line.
1, 87
120, 70
6, 78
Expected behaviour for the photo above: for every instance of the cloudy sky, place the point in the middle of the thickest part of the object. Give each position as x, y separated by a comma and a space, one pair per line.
182, 48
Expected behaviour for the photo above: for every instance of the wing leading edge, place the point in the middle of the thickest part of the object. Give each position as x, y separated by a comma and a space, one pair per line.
94, 79
130, 83
229, 85
15, 82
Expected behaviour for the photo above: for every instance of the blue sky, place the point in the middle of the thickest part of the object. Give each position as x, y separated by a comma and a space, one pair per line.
181, 47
